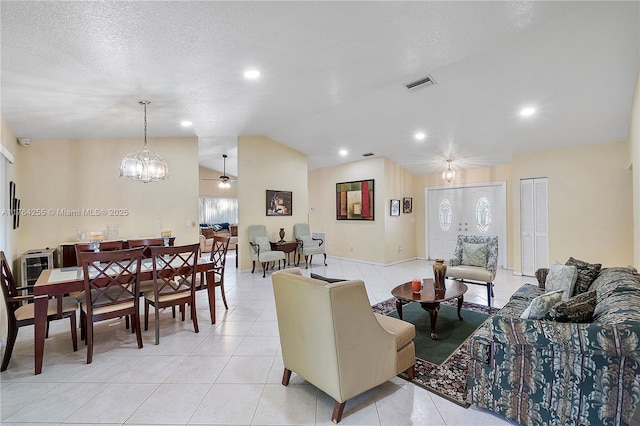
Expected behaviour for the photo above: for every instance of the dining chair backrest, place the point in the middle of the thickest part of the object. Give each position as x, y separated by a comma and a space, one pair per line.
174, 268
104, 246
219, 251
146, 243
111, 277
9, 289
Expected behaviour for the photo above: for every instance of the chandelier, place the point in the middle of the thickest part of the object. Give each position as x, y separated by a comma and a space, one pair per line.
224, 179
145, 166
449, 174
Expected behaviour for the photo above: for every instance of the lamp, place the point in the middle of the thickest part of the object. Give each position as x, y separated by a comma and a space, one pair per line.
145, 165
449, 175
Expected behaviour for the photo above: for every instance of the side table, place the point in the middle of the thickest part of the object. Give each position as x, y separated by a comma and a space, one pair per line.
287, 247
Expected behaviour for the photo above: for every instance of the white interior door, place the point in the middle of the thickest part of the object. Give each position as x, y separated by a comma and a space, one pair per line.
470, 210
534, 226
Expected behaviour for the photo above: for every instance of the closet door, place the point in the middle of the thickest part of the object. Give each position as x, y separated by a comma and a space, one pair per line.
534, 216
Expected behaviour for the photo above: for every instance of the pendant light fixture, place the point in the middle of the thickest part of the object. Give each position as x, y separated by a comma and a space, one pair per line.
224, 179
449, 174
144, 166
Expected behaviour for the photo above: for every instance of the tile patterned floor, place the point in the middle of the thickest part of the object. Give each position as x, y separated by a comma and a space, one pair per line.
229, 373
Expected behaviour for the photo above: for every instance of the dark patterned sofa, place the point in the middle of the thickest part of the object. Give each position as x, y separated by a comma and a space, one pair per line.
541, 372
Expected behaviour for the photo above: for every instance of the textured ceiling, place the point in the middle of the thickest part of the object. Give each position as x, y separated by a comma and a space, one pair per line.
333, 75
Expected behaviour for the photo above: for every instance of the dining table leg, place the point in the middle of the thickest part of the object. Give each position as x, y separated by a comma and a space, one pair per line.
211, 292
40, 324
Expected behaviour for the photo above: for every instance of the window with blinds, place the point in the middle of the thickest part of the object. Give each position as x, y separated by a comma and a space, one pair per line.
218, 210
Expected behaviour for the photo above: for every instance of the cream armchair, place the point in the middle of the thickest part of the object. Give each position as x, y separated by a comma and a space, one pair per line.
261, 248
307, 245
330, 336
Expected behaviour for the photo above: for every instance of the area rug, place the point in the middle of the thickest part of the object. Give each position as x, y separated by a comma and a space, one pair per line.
445, 375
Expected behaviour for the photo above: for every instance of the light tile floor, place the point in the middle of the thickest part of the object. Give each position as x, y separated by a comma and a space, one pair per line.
229, 373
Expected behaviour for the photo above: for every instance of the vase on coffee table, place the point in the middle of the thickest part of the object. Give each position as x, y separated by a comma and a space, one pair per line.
439, 274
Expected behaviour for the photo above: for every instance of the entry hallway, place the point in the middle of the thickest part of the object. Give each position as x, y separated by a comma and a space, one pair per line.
229, 373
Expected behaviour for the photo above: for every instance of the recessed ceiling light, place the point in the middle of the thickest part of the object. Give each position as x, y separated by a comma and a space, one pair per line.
252, 74
186, 123
420, 136
527, 112
343, 152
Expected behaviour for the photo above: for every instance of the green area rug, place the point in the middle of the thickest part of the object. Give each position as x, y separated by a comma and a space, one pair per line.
441, 365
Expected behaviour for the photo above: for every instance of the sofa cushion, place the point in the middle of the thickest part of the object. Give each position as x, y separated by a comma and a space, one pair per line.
329, 280
561, 277
541, 305
587, 272
474, 254
577, 309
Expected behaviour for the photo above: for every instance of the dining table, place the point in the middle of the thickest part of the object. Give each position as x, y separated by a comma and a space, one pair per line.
61, 281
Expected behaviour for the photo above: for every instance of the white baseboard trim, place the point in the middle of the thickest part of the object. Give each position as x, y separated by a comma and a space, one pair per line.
366, 262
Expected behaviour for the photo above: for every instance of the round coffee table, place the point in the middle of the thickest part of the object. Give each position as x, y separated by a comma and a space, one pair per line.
429, 298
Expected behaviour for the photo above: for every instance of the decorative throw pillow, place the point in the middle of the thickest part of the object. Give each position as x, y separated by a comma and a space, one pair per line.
474, 254
263, 243
542, 304
329, 280
216, 227
577, 309
561, 277
587, 273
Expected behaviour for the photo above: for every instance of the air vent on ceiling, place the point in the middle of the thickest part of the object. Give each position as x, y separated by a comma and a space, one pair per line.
425, 81
368, 154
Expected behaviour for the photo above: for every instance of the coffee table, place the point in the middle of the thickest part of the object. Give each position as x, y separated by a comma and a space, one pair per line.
429, 298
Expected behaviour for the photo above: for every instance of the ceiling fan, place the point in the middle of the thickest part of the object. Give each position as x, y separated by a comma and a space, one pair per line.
225, 181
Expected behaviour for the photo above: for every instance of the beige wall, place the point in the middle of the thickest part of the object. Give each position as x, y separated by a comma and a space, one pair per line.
634, 148
400, 231
210, 188
84, 174
264, 164
590, 202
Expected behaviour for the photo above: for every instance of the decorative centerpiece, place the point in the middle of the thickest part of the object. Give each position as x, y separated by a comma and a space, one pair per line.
281, 235
439, 274
165, 233
95, 238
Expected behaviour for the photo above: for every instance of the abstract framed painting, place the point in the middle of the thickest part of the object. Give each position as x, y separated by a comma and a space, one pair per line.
355, 200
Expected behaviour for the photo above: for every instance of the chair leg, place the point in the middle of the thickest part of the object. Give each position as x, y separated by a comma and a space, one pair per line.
264, 270
325, 259
286, 376
89, 336
310, 259
182, 312
156, 313
306, 261
74, 332
194, 316
489, 294
254, 267
83, 324
146, 315
135, 322
338, 408
12, 334
46, 332
224, 298
411, 372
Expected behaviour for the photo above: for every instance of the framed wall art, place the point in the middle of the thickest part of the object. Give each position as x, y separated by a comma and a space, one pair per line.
355, 200
394, 208
407, 205
279, 203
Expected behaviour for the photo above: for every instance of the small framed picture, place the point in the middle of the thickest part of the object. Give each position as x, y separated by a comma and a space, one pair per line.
279, 203
407, 205
395, 208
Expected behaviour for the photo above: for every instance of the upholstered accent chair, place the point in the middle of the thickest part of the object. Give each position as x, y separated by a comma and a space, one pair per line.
475, 261
307, 245
330, 336
261, 248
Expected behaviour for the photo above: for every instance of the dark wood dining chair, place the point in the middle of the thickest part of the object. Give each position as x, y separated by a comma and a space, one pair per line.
147, 243
174, 276
104, 246
21, 313
219, 257
112, 289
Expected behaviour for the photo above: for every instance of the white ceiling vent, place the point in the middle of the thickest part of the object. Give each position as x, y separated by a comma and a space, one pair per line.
423, 82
